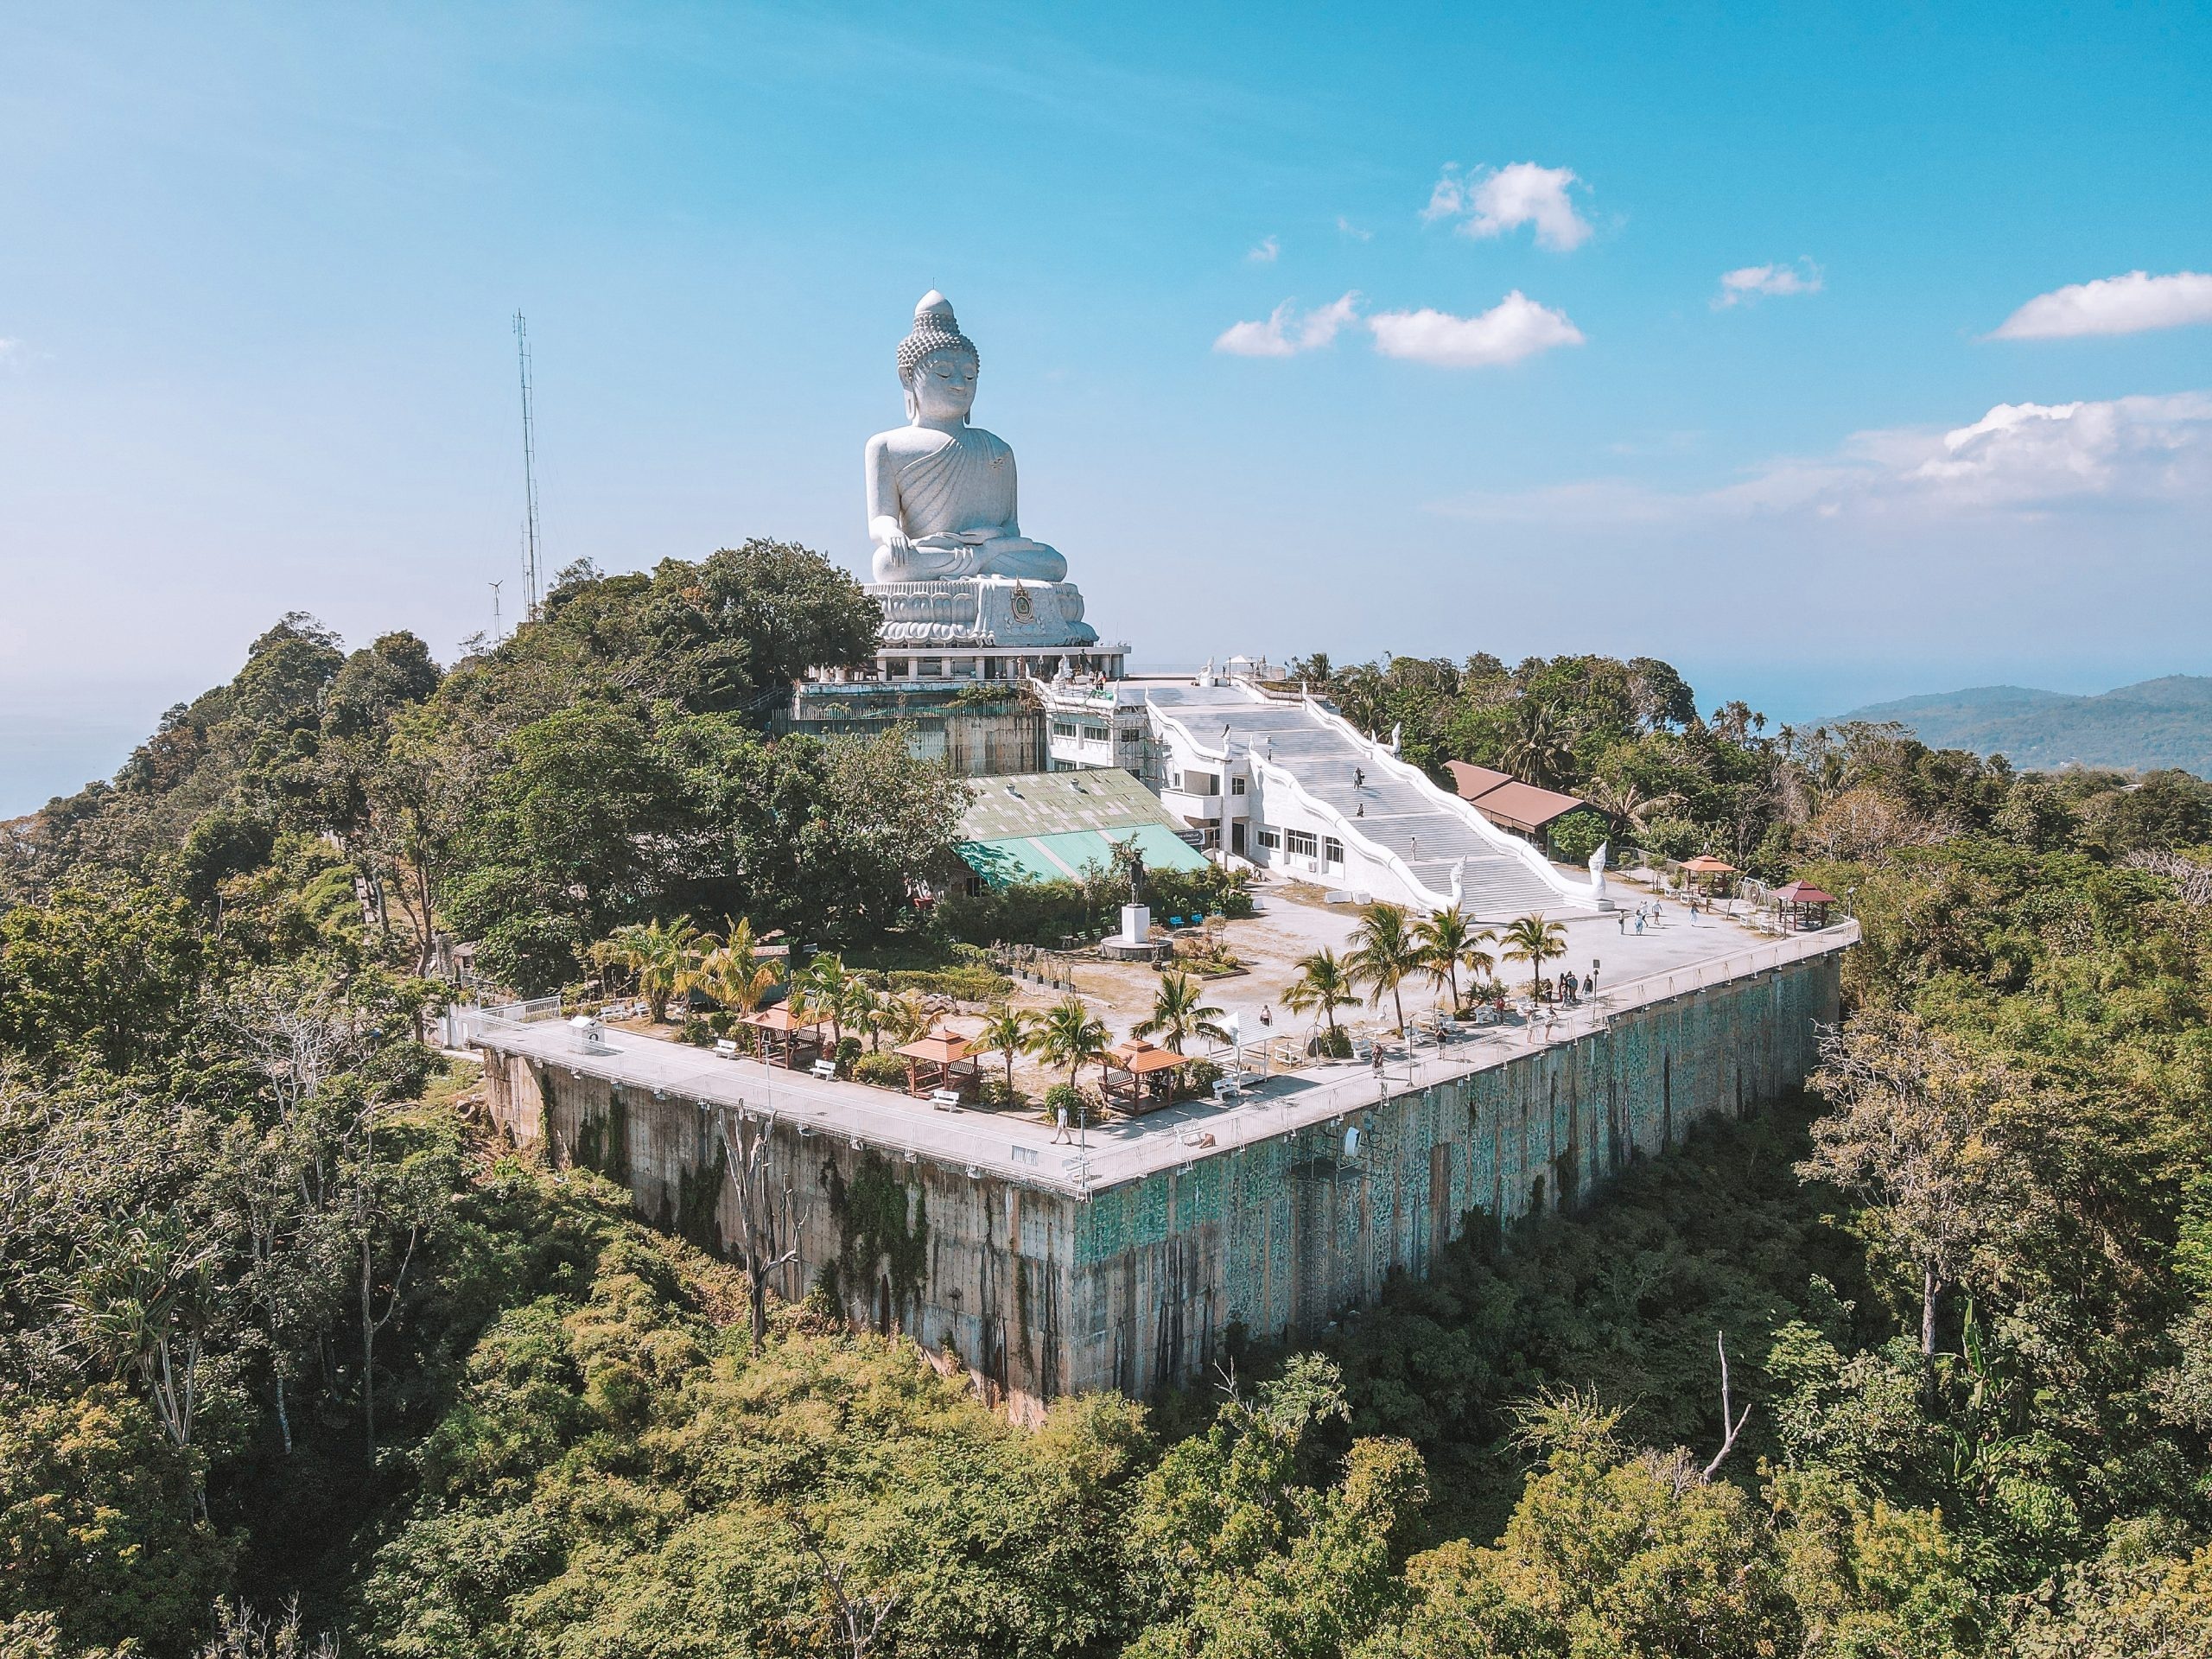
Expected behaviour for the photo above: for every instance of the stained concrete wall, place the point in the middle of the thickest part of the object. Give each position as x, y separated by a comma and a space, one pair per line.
986, 741
1040, 1293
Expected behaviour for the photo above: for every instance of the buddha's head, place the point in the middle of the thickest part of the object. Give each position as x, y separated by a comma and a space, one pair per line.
937, 364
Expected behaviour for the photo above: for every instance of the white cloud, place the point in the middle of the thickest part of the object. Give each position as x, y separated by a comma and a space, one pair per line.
1266, 252
1353, 230
1491, 201
1286, 333
1751, 281
2112, 305
1516, 326
8, 347
2018, 462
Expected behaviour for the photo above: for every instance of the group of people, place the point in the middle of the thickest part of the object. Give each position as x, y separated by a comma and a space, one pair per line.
1646, 913
1569, 991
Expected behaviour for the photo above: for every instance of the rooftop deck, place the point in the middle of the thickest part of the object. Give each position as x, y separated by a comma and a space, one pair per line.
1017, 1147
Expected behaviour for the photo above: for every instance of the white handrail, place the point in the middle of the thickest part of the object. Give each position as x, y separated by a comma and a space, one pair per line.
1575, 893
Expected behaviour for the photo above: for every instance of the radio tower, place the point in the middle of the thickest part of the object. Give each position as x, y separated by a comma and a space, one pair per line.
529, 473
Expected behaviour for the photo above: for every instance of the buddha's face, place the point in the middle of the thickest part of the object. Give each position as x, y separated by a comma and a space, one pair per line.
943, 387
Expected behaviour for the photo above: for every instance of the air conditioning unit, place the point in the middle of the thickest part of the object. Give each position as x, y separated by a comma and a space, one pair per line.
1314, 865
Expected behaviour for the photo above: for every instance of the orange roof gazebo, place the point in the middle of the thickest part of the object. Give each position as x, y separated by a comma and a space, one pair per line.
1148, 1067
941, 1052
1708, 874
780, 1022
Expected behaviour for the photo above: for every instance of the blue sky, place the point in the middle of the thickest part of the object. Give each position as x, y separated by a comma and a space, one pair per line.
257, 265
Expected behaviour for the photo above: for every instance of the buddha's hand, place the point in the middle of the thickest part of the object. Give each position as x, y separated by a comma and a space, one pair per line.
893, 539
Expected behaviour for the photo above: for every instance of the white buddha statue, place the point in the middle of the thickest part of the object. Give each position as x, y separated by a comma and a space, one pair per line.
941, 495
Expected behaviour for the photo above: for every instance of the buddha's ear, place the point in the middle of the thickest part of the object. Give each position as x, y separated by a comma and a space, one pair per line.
913, 406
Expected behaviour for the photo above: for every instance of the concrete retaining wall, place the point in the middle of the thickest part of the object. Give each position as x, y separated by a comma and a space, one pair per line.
1040, 1293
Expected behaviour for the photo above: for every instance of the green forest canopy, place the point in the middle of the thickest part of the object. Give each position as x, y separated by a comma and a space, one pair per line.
278, 1319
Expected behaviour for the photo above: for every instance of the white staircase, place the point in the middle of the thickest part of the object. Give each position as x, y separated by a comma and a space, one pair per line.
1374, 796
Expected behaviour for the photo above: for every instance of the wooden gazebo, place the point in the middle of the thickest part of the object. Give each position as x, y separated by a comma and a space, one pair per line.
941, 1060
1804, 907
1710, 876
785, 1032
1140, 1077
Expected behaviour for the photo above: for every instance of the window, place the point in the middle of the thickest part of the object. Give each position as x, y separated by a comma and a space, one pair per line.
1271, 839
1063, 728
1333, 850
1132, 735
1202, 782
1303, 844
1093, 733
1236, 786
895, 667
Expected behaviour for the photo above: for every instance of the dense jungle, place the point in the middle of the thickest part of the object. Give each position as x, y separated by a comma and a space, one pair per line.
296, 1355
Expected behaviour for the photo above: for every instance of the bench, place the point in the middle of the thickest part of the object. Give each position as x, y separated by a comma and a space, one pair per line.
945, 1100
725, 1048
825, 1071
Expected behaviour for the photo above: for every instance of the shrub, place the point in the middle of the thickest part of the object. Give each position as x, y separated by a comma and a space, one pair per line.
1064, 1095
1575, 836
1197, 1078
969, 982
698, 1032
849, 1050
885, 1070
1333, 1045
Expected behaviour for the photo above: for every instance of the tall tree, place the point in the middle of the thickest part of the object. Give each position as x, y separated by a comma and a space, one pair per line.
1385, 953
1913, 1136
1180, 1011
1536, 941
1322, 982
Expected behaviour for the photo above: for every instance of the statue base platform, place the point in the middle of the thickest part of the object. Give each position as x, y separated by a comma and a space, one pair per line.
982, 612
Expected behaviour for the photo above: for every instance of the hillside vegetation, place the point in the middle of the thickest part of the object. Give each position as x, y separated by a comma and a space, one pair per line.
279, 1319
2159, 723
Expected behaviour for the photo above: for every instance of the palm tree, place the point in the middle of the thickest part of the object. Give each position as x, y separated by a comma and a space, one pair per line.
731, 973
1385, 954
1322, 982
1448, 941
824, 986
1539, 750
659, 953
1072, 1036
1008, 1031
1625, 803
906, 1018
1535, 941
1180, 1011
868, 1009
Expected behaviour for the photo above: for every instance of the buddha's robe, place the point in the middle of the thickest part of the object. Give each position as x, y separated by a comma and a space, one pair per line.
965, 484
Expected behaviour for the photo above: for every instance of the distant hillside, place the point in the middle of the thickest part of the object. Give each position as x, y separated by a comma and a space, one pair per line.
2163, 722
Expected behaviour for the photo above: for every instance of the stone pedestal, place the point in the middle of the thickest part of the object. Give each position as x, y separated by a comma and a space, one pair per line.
983, 611
1136, 924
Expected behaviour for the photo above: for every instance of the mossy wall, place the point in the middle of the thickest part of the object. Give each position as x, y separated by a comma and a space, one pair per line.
1041, 1294
1281, 1237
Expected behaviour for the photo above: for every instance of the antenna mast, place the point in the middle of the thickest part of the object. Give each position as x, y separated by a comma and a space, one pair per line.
528, 472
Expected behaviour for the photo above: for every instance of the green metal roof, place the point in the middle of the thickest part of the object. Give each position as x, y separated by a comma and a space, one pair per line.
1051, 826
1057, 803
1015, 861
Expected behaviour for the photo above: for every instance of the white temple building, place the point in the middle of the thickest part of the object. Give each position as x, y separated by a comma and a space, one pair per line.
1278, 780
1256, 773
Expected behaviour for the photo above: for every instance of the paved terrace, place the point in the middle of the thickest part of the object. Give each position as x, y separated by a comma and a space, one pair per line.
1016, 1147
